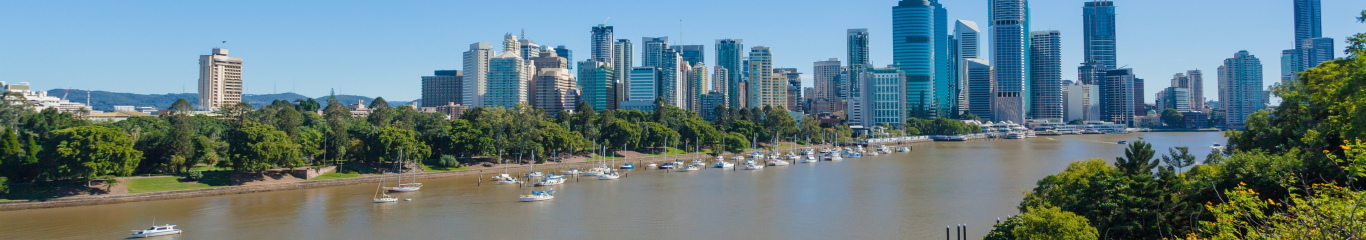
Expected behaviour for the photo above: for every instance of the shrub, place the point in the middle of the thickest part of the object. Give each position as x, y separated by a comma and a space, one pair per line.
4, 185
195, 175
448, 161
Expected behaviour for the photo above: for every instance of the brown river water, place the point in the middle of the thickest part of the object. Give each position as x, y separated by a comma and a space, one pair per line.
897, 196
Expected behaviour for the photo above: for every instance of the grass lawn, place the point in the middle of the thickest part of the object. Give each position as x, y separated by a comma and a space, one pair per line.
335, 175
158, 184
208, 168
671, 152
603, 158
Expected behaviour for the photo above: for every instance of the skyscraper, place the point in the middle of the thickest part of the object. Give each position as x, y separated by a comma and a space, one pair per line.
567, 54
555, 91
598, 85
442, 88
220, 80
476, 74
1117, 96
602, 49
1010, 57
766, 90
1140, 109
729, 56
858, 47
879, 99
652, 51
1308, 20
697, 85
968, 39
622, 57
644, 84
913, 49
823, 76
794, 87
1099, 26
945, 63
980, 88
1045, 59
1240, 89
1192, 81
672, 78
529, 48
509, 77
693, 54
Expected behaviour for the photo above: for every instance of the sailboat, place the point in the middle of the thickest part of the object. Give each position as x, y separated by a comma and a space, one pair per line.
405, 187
380, 197
609, 173
536, 195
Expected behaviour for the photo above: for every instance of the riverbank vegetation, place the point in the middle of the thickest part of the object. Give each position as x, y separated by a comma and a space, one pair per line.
1296, 172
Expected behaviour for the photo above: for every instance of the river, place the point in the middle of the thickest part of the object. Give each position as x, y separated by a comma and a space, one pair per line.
897, 196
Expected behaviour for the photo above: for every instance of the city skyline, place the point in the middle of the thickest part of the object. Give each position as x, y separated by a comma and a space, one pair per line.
157, 55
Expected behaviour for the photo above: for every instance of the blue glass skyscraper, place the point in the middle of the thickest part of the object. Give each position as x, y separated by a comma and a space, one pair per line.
1099, 23
913, 47
730, 56
945, 86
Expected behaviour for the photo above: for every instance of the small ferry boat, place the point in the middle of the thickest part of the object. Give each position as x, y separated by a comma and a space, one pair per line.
168, 229
628, 166
538, 196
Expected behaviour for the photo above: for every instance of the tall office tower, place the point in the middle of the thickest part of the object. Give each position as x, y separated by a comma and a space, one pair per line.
1175, 98
602, 49
1315, 51
566, 53
968, 38
442, 88
220, 80
980, 88
1308, 20
1098, 19
550, 59
673, 78
1091, 73
644, 84
693, 54
879, 99
765, 89
729, 55
697, 85
1290, 64
945, 64
1240, 89
913, 48
954, 94
509, 77
1117, 96
823, 76
858, 47
598, 85
1045, 59
621, 63
1197, 88
710, 101
555, 90
652, 51
1010, 57
529, 48
1140, 109
476, 74
1081, 102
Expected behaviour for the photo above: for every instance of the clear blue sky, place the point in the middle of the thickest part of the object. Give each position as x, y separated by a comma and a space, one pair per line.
381, 48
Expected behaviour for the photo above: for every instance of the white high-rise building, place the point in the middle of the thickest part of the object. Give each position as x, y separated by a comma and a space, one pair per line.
509, 77
652, 51
1081, 102
220, 80
765, 89
476, 74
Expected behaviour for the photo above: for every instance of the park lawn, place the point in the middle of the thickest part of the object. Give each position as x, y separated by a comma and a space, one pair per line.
209, 168
427, 168
671, 152
159, 184
335, 175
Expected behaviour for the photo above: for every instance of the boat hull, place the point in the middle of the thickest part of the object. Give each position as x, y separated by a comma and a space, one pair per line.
147, 235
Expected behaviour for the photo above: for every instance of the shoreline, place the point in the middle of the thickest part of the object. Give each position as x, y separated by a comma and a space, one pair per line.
76, 201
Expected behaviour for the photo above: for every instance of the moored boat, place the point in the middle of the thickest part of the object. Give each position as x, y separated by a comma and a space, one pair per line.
168, 229
538, 196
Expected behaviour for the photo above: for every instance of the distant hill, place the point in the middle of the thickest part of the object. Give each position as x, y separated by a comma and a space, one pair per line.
105, 101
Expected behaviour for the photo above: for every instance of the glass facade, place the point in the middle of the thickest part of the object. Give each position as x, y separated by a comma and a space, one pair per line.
913, 48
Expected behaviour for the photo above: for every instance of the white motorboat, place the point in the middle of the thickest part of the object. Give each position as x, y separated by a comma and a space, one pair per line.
168, 229
874, 153
508, 180
538, 196
652, 165
724, 164
834, 157
551, 180
794, 157
699, 162
570, 172
501, 176
595, 172
609, 176
778, 163
752, 166
810, 159
903, 149
737, 158
534, 174
689, 168
756, 154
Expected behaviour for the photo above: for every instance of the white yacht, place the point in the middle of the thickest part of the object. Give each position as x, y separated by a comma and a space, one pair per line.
903, 149
551, 180
723, 164
651, 165
501, 176
699, 162
778, 163
609, 176
570, 172
809, 159
538, 196
595, 171
752, 166
168, 229
756, 154
689, 168
508, 180
834, 157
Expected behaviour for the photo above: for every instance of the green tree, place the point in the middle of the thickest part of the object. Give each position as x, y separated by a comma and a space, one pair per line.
736, 142
380, 113
11, 154
1173, 118
255, 147
1178, 158
390, 141
621, 133
336, 137
1138, 159
87, 152
657, 135
1044, 224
